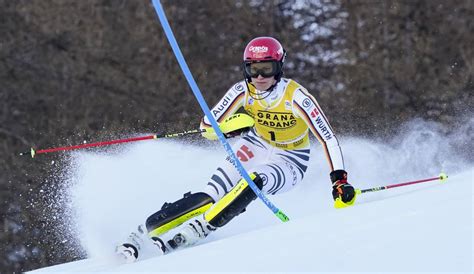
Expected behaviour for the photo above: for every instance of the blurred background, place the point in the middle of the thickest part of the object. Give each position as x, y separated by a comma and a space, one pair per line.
91, 70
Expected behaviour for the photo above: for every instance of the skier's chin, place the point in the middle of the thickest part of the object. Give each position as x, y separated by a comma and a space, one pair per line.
263, 85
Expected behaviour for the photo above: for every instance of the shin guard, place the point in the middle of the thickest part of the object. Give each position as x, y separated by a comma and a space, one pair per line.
174, 214
233, 203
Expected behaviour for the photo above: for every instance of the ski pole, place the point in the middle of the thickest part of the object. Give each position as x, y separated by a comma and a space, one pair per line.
442, 177
339, 204
33, 152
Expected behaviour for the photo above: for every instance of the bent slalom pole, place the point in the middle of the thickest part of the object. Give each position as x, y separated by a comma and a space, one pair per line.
442, 177
34, 152
197, 93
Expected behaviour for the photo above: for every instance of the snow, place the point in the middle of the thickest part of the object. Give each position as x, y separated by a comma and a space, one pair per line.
425, 227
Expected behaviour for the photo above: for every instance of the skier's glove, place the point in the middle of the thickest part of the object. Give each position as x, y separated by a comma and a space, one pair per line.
343, 193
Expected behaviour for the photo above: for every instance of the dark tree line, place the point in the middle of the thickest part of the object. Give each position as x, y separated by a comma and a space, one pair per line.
100, 69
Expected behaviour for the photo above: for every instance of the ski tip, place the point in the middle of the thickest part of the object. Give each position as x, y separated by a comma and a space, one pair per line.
443, 176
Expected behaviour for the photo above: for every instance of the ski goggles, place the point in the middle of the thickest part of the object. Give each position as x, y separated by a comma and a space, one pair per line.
266, 69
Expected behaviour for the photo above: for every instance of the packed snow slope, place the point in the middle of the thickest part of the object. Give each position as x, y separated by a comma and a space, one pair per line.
425, 227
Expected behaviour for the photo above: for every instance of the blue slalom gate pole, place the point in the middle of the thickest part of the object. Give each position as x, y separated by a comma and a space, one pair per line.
197, 93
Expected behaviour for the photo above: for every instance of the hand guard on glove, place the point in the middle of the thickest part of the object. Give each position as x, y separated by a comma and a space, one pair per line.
342, 192
232, 126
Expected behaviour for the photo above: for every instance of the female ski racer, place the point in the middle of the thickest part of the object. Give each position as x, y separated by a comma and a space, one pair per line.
274, 147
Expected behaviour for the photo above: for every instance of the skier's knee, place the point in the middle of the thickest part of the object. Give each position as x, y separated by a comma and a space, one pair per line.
234, 202
173, 214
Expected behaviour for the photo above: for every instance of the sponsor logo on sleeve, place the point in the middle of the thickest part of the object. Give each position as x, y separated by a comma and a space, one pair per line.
323, 128
238, 87
307, 103
222, 105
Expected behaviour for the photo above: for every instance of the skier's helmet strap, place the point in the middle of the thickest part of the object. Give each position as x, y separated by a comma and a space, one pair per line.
264, 49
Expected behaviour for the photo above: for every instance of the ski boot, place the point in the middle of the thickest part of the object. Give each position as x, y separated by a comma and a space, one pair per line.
193, 232
218, 215
130, 249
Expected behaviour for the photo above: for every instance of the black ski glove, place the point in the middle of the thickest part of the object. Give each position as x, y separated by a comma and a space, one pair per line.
342, 191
